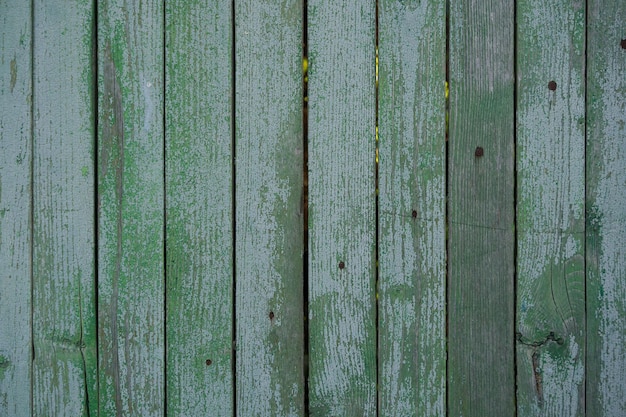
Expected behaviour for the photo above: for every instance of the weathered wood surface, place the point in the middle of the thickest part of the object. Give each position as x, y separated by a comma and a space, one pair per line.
130, 207
199, 208
480, 209
606, 209
342, 222
412, 250
268, 208
550, 339
15, 208
64, 310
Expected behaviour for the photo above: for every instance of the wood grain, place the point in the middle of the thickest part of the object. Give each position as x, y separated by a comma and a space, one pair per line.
269, 228
412, 250
606, 213
64, 310
199, 208
15, 207
480, 209
550, 208
342, 208
130, 208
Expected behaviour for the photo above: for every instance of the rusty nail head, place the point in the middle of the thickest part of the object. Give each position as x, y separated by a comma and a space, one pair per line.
552, 85
271, 315
623, 43
414, 213
479, 152
342, 265
209, 362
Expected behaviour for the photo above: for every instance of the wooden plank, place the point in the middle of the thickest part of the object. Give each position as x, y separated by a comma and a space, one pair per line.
550, 208
481, 378
606, 216
64, 312
15, 207
269, 227
412, 250
342, 207
199, 208
130, 202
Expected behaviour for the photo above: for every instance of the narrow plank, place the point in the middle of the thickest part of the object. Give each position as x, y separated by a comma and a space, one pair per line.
550, 208
606, 216
199, 208
481, 378
15, 212
342, 223
269, 227
130, 205
412, 250
64, 312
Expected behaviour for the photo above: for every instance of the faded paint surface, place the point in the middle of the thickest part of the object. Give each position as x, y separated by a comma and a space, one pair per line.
130, 208
199, 208
269, 243
550, 221
606, 212
412, 274
64, 311
15, 195
481, 209
342, 208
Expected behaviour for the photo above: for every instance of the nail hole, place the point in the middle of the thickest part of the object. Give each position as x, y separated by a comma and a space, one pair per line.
552, 85
342, 265
479, 152
414, 214
623, 43
209, 362
271, 315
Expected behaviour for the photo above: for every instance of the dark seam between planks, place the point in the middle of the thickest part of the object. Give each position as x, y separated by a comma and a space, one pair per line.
447, 204
94, 98
515, 234
164, 202
31, 215
305, 208
233, 209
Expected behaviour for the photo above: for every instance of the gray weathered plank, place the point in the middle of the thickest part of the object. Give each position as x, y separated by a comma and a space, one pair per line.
15, 203
606, 209
130, 203
412, 252
481, 211
342, 224
64, 312
269, 227
199, 208
550, 208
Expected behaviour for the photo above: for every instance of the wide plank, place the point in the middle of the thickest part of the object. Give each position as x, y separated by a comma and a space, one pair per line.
550, 338
606, 209
411, 214
199, 228
130, 208
481, 239
342, 207
15, 207
64, 307
268, 208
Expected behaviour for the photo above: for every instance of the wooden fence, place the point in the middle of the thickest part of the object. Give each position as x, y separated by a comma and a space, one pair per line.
437, 228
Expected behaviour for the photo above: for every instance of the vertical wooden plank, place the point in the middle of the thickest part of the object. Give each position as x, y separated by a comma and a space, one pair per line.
342, 223
130, 202
550, 208
199, 208
269, 245
64, 314
15, 203
606, 213
481, 211
412, 252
